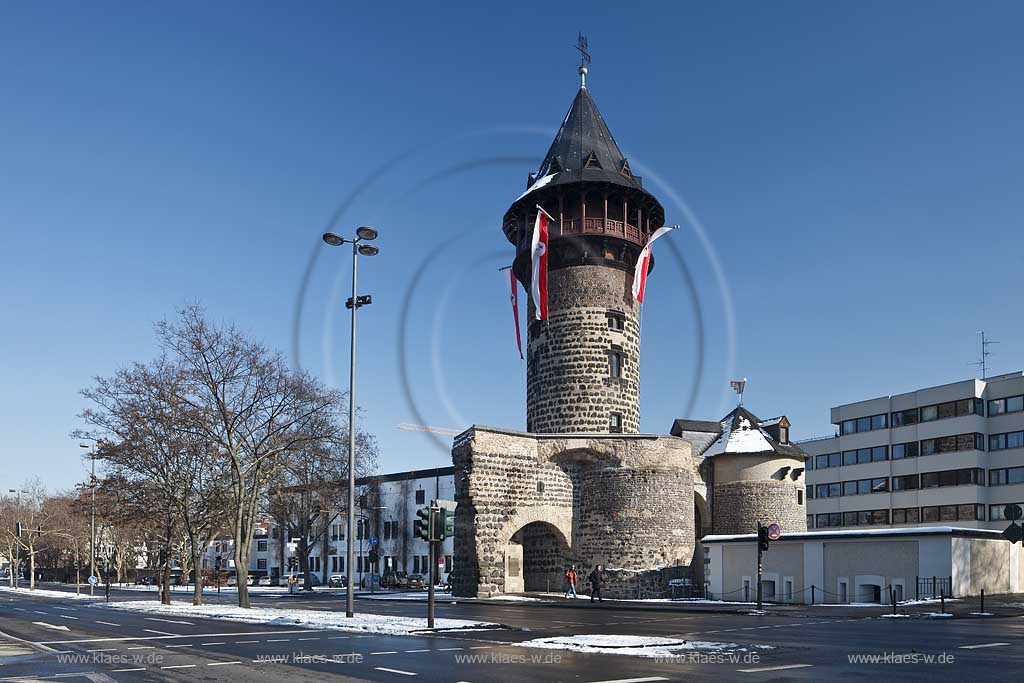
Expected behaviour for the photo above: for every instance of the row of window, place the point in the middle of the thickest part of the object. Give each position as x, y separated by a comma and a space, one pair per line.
942, 444
863, 424
999, 406
911, 482
931, 513
1000, 442
1006, 475
851, 488
939, 411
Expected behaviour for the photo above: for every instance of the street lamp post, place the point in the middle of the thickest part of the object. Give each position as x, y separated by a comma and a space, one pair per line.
92, 520
16, 569
367, 234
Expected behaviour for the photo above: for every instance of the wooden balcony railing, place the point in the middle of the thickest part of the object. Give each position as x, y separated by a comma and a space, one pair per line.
598, 226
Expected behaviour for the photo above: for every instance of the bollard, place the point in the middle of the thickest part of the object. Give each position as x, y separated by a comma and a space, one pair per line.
812, 593
917, 588
982, 600
933, 587
942, 598
893, 601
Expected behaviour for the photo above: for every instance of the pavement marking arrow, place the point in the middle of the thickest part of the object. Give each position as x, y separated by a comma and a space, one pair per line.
53, 626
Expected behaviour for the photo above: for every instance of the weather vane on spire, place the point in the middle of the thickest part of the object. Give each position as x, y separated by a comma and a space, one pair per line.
581, 45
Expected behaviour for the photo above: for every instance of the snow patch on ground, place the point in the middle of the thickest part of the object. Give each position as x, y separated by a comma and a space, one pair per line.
43, 593
895, 616
315, 619
637, 646
927, 601
938, 615
439, 596
981, 614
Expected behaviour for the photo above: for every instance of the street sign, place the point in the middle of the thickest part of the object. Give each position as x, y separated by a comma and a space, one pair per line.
93, 580
1013, 533
774, 531
1013, 512
373, 540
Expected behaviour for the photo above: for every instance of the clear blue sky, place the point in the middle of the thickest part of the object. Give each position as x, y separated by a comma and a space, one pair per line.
856, 167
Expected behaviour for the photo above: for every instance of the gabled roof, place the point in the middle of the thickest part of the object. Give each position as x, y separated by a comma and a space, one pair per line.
584, 150
743, 433
701, 426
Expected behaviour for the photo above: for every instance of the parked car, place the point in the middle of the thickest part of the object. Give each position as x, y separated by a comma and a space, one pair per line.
394, 580
145, 580
415, 581
337, 581
265, 581
301, 578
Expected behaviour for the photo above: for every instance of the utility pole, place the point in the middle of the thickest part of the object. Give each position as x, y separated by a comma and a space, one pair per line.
92, 522
760, 564
16, 569
432, 534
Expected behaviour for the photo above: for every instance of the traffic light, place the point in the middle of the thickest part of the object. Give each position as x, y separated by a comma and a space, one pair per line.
762, 537
447, 524
293, 563
421, 526
374, 556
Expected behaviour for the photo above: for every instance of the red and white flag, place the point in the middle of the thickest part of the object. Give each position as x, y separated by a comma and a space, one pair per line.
514, 297
642, 263
539, 256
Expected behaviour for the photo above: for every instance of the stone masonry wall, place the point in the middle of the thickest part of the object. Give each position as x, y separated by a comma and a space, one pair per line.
623, 502
740, 505
568, 387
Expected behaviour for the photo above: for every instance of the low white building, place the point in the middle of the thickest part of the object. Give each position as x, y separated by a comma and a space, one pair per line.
868, 565
386, 510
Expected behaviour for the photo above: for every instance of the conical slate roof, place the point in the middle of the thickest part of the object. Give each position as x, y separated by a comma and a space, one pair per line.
743, 433
584, 150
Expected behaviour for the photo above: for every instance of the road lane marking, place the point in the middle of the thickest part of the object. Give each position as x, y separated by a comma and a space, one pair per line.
224, 663
426, 650
116, 671
309, 639
207, 644
184, 635
106, 649
169, 621
635, 680
278, 640
385, 652
170, 646
110, 623
782, 667
978, 647
446, 649
395, 671
179, 666
162, 633
245, 642
142, 647
67, 616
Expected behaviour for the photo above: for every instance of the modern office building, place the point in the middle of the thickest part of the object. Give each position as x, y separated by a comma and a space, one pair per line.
950, 455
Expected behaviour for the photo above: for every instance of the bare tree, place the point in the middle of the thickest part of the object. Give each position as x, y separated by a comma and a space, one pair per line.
248, 406
33, 515
8, 535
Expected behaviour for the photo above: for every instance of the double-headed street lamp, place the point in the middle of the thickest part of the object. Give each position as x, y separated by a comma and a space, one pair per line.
363, 234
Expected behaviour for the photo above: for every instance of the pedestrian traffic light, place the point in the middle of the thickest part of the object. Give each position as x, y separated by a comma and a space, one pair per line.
447, 524
421, 526
762, 537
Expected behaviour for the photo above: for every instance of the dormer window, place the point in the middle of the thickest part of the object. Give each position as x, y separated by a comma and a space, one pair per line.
783, 434
592, 161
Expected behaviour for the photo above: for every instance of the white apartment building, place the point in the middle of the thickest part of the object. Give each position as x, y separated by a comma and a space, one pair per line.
386, 509
950, 455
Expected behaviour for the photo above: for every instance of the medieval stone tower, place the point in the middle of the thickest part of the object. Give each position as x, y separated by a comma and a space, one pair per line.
583, 371
582, 485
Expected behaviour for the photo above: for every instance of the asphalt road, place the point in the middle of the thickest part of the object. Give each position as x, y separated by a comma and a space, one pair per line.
93, 643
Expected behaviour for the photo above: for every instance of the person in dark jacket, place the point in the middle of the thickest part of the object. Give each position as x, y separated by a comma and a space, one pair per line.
596, 578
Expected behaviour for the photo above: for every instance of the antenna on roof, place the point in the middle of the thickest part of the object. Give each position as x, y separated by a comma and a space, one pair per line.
581, 45
985, 353
738, 385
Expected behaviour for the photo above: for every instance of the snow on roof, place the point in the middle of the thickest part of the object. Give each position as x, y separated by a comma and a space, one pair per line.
771, 421
537, 184
745, 438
